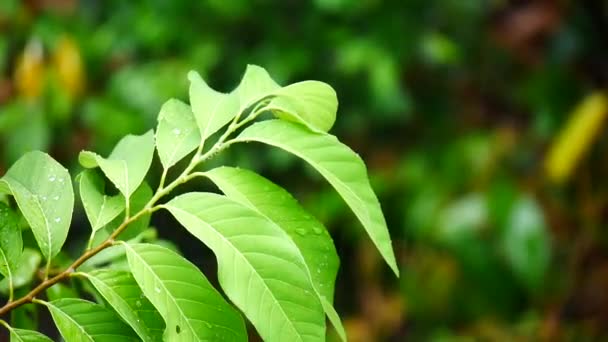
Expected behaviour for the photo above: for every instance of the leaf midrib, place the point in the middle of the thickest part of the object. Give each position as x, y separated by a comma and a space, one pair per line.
248, 263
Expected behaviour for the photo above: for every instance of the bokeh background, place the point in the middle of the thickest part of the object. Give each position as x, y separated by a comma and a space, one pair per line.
482, 123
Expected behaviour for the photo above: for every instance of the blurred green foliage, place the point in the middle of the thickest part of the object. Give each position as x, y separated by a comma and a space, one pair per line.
453, 103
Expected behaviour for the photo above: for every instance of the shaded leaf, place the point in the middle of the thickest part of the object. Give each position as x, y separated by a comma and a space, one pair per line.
124, 295
11, 243
59, 291
192, 309
128, 163
80, 320
177, 133
43, 191
260, 268
25, 272
99, 207
21, 335
342, 168
310, 236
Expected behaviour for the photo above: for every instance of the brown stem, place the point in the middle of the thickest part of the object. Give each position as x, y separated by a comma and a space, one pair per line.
28, 298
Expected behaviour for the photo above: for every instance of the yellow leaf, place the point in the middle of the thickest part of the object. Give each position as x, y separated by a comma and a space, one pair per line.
576, 137
29, 70
68, 64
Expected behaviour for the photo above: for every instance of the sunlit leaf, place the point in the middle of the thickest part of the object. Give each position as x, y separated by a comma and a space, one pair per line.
311, 103
211, 108
128, 163
21, 335
124, 295
309, 235
177, 133
43, 191
342, 168
83, 321
192, 309
260, 268
255, 85
99, 207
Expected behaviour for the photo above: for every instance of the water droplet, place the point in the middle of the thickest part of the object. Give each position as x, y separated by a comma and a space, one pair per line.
56, 197
57, 219
318, 270
157, 289
317, 230
301, 231
177, 131
51, 178
43, 198
60, 180
138, 303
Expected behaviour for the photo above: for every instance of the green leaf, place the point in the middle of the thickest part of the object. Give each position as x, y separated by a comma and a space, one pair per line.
526, 243
11, 243
21, 335
211, 108
128, 163
25, 271
43, 191
260, 268
80, 321
99, 207
59, 291
310, 236
124, 295
25, 316
342, 168
255, 85
311, 103
192, 309
177, 133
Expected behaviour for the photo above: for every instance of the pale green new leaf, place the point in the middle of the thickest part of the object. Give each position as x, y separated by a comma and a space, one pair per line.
260, 268
121, 291
11, 243
43, 191
342, 168
309, 235
25, 271
99, 207
311, 103
211, 108
177, 133
82, 321
128, 163
192, 309
21, 335
255, 85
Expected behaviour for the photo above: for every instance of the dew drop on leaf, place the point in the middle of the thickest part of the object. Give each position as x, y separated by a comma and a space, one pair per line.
177, 131
138, 303
301, 231
157, 289
51, 178
317, 230
57, 219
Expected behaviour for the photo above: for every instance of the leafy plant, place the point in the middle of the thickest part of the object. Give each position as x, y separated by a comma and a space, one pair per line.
276, 264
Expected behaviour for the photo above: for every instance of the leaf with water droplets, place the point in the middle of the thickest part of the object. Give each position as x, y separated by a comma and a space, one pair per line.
83, 321
342, 168
191, 308
177, 133
128, 163
121, 291
99, 207
33, 180
309, 235
259, 266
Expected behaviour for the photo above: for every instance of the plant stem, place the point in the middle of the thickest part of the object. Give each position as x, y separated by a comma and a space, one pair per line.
28, 298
